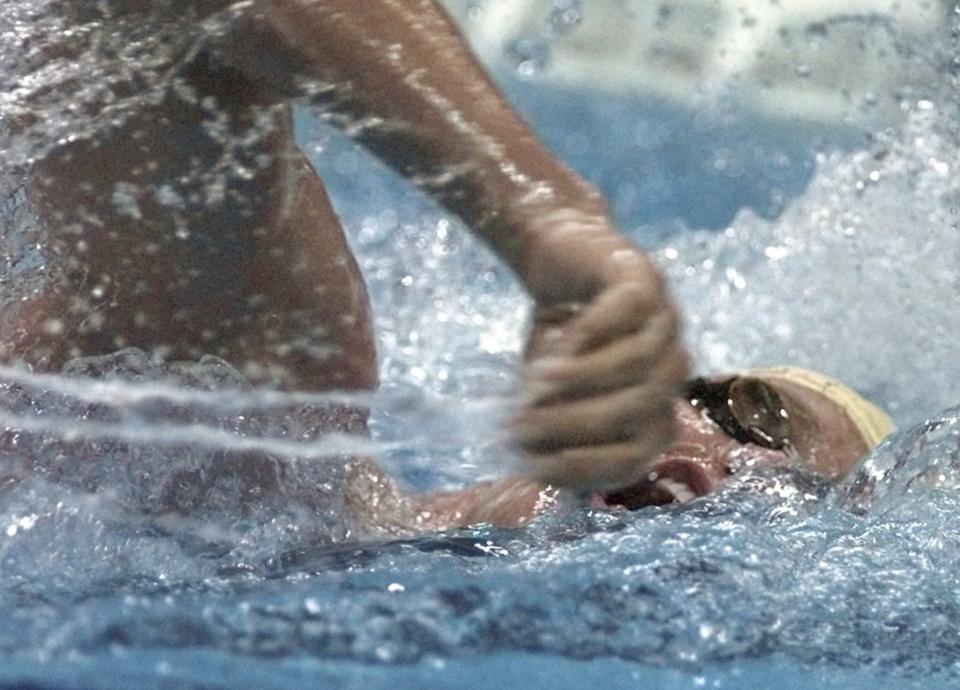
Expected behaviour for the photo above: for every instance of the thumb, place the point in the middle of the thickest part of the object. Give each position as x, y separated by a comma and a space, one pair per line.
549, 334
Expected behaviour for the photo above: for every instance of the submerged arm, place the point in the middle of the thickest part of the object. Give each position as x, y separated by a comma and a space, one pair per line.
380, 507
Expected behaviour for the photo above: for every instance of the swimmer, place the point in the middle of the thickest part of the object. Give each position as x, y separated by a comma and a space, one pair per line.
183, 220
770, 417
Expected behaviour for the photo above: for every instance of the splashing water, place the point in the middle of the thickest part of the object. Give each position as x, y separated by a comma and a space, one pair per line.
856, 278
779, 576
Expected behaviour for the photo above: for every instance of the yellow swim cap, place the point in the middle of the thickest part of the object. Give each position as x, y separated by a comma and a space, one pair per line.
873, 423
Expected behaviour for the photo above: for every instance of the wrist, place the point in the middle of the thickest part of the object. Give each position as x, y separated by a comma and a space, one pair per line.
518, 229
538, 212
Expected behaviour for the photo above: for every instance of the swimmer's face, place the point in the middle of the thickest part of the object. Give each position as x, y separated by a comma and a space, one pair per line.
710, 445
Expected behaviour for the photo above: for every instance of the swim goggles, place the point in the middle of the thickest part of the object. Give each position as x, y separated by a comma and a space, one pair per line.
748, 410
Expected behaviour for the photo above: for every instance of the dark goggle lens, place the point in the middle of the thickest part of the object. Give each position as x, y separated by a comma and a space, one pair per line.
747, 409
760, 411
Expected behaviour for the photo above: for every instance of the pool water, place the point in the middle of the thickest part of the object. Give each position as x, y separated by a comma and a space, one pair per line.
832, 248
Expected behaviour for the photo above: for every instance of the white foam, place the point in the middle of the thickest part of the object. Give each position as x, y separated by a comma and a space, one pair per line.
859, 277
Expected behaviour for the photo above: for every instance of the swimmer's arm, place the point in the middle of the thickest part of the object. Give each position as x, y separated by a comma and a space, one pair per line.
379, 505
605, 341
505, 503
399, 77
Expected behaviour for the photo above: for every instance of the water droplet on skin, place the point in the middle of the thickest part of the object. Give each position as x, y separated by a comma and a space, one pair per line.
529, 56
53, 326
566, 15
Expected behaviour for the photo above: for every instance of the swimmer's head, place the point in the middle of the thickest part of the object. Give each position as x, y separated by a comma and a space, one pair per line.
771, 417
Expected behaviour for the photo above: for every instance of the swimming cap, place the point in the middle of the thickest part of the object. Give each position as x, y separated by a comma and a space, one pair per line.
873, 423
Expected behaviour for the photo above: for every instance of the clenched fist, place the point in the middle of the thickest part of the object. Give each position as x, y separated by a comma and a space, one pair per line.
604, 355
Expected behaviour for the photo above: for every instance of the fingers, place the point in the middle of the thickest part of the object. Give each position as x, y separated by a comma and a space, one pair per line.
600, 402
569, 329
603, 441
604, 467
618, 311
616, 365
602, 419
617, 415
605, 360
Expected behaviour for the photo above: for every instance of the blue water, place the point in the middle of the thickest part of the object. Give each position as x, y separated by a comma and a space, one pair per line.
777, 577
779, 580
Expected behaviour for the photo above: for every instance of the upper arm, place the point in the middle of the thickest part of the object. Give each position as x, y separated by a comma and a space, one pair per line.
244, 36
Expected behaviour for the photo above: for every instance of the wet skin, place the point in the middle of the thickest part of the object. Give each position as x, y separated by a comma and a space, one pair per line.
702, 457
257, 270
279, 295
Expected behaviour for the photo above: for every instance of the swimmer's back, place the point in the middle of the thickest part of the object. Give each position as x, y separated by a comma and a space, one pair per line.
176, 214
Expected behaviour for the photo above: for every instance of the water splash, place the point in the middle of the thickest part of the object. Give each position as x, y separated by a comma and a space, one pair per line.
766, 569
776, 567
856, 278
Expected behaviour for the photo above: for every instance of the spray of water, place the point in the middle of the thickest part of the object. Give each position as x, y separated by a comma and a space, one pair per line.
857, 278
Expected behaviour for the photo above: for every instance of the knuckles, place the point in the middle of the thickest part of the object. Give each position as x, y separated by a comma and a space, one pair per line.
609, 466
608, 442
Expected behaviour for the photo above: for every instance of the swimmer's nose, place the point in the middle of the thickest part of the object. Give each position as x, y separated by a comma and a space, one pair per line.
669, 481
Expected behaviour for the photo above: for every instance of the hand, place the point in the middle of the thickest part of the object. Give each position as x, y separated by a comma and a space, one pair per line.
604, 355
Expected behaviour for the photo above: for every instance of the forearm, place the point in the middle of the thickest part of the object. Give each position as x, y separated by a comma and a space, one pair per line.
399, 77
506, 503
382, 508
